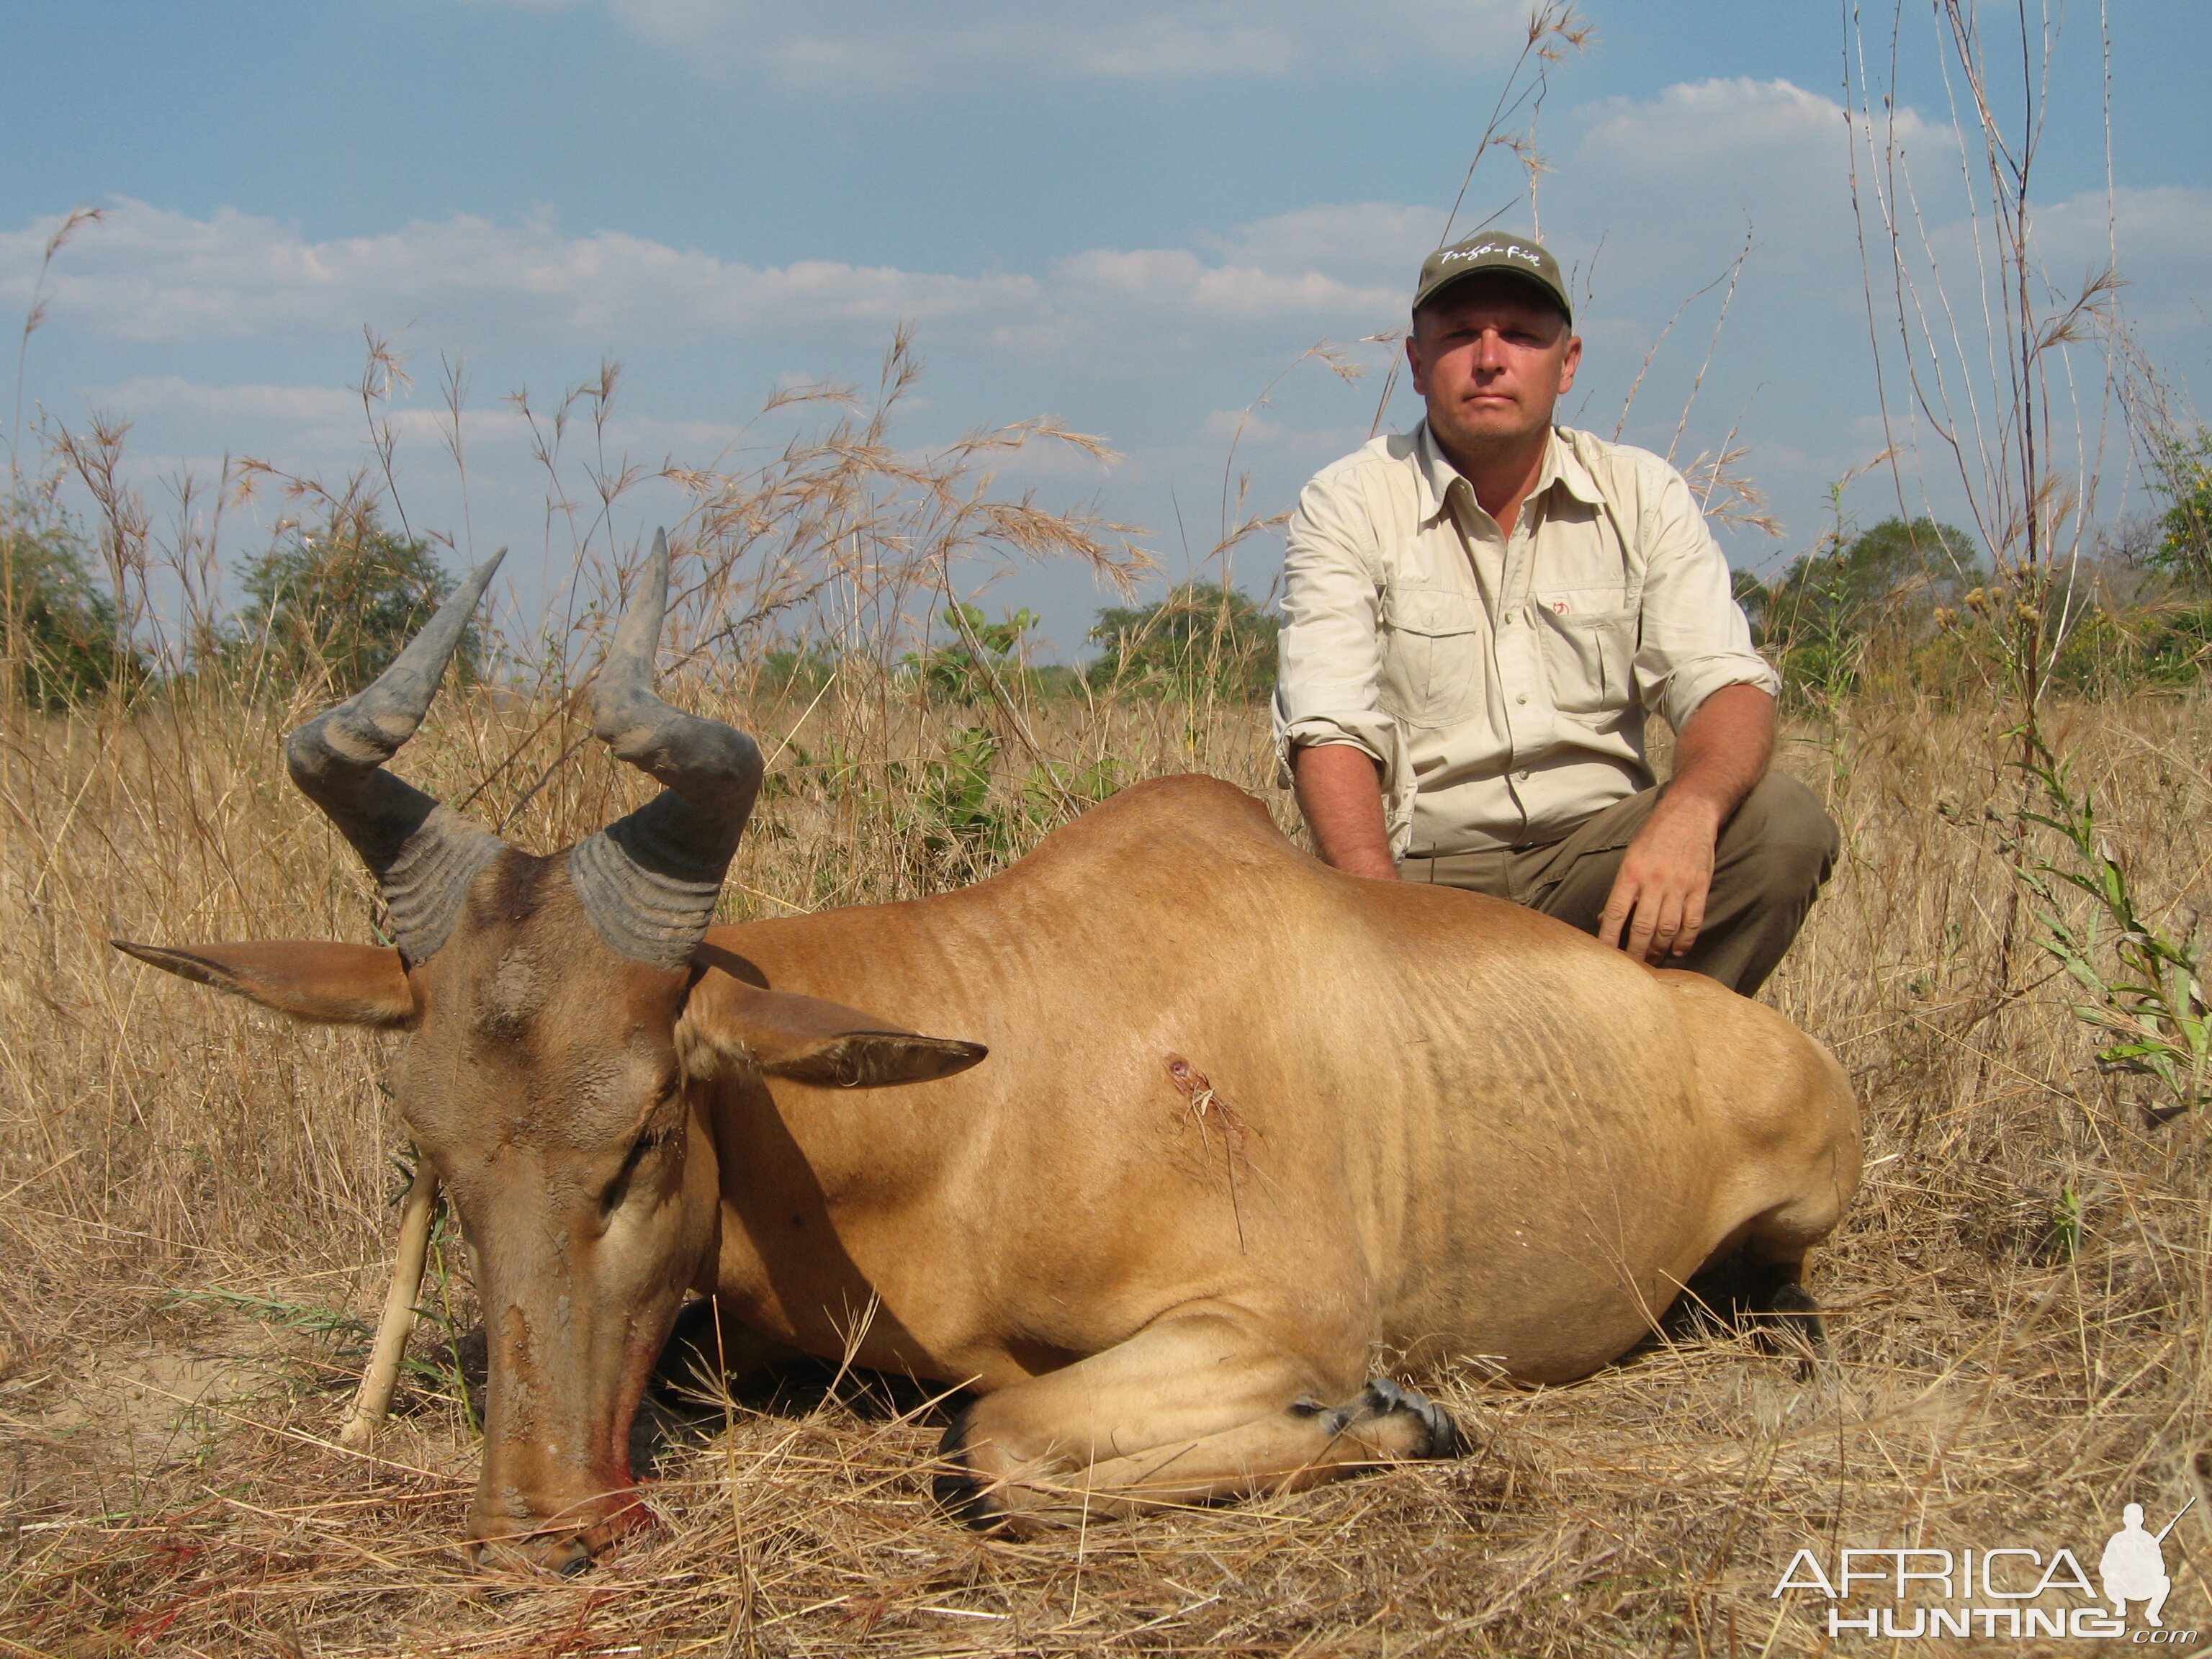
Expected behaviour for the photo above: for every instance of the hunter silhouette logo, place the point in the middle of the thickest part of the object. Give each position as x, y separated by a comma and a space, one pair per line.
1983, 1592
2133, 1566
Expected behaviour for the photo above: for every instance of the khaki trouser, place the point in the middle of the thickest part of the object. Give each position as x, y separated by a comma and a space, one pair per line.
1772, 857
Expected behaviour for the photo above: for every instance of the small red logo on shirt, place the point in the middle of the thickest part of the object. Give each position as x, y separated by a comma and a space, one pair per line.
1559, 607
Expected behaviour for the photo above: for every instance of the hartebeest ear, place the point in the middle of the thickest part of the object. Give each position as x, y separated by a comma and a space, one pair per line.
336, 984
810, 1041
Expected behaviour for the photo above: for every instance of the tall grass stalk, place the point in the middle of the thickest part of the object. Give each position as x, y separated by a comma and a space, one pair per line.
2015, 382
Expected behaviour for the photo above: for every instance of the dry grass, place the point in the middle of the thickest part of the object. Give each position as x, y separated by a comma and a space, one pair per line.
2002, 1373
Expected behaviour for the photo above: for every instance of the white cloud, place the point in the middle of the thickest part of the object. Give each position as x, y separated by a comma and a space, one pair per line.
1668, 182
1241, 426
151, 275
1373, 242
171, 395
831, 45
1675, 183
1175, 279
1725, 130
328, 423
2165, 240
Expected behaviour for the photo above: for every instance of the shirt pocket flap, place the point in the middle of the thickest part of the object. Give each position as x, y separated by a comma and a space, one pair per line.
1589, 655
1436, 612
1588, 624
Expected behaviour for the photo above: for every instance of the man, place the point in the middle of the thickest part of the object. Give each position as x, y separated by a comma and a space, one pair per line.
1478, 616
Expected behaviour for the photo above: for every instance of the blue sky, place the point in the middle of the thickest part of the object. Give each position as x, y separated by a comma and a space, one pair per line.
1132, 217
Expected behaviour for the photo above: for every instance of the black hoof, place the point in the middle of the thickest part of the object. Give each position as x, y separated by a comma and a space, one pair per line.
1790, 1314
1442, 1439
1765, 1299
955, 1487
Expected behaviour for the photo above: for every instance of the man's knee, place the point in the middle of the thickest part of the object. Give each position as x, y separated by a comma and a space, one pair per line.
1781, 838
1782, 813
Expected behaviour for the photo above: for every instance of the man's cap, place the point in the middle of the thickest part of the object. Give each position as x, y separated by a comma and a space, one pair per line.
1492, 251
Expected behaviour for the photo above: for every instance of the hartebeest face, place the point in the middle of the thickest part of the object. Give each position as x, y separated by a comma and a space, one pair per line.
542, 1073
543, 1082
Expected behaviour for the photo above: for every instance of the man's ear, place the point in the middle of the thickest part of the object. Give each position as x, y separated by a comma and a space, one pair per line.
336, 984
810, 1041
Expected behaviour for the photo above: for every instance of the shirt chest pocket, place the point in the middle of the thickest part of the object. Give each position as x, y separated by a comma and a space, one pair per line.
1433, 644
1589, 648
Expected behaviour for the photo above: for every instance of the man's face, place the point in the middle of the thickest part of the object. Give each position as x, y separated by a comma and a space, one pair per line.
1492, 359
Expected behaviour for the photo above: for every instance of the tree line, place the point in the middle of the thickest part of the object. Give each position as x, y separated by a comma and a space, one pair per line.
1899, 603
331, 603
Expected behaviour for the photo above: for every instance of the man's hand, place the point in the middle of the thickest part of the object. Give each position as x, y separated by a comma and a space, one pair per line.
1659, 893
1341, 792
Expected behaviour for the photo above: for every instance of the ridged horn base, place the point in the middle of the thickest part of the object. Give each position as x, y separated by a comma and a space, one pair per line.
645, 901
426, 886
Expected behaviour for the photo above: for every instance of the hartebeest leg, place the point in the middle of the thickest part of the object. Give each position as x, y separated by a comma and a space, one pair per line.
1200, 1407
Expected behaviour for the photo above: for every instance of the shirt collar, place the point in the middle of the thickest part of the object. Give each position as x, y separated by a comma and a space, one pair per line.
1562, 466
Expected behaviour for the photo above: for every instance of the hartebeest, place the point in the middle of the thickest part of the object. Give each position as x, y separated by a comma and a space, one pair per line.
1249, 1130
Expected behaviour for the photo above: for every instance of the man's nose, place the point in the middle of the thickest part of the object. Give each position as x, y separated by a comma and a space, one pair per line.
1489, 350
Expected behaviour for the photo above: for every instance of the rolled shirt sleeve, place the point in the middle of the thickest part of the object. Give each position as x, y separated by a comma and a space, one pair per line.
1331, 650
1694, 637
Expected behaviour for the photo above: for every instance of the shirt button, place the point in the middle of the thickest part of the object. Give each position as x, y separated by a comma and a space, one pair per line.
1524, 777
1523, 697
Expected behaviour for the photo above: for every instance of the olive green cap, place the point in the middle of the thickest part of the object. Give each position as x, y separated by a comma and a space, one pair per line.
1492, 251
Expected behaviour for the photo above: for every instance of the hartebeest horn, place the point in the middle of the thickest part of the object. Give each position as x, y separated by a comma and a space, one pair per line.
649, 881
422, 854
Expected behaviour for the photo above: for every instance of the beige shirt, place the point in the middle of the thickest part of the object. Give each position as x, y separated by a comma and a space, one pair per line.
1501, 682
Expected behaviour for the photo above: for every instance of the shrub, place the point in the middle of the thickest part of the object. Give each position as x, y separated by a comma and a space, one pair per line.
341, 600
956, 672
1819, 617
2183, 468
1202, 641
62, 628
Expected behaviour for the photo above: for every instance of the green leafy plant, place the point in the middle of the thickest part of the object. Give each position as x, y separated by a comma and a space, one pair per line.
949, 807
2065, 1235
963, 672
311, 1317
2149, 1002
2181, 468
444, 1368
1051, 787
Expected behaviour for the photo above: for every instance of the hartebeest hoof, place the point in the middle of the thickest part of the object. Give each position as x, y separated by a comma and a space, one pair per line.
991, 1486
1439, 1436
1764, 1300
1790, 1317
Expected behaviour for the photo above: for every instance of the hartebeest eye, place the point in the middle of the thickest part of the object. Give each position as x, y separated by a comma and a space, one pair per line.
619, 1188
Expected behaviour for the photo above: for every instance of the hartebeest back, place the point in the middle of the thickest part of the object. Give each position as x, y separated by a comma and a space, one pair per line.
1250, 1131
